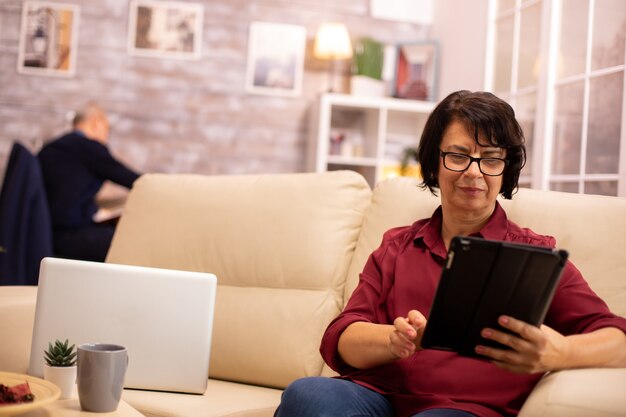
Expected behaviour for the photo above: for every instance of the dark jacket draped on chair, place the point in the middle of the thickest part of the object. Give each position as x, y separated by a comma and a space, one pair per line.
25, 229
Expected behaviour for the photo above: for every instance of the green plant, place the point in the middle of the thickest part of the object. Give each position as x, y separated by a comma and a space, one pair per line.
409, 155
368, 58
61, 354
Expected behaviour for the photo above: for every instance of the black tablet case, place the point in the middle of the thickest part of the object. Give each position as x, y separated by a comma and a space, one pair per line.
484, 279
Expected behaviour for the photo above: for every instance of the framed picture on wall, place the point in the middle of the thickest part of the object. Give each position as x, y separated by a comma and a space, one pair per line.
275, 59
48, 39
163, 29
416, 71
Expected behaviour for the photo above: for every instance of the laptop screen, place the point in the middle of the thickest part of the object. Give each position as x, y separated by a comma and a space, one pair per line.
164, 317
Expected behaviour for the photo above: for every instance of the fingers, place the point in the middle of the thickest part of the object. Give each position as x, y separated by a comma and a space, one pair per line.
526, 345
515, 342
524, 336
416, 319
403, 326
407, 334
511, 360
524, 330
400, 346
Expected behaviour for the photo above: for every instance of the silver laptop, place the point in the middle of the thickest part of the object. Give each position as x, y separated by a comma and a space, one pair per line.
164, 318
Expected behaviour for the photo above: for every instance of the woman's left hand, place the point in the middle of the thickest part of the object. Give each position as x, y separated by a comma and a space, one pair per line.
533, 349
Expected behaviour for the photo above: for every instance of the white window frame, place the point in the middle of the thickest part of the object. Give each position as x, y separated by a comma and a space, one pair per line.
541, 175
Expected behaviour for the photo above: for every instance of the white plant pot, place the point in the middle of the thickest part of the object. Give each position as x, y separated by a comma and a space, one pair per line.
361, 85
62, 376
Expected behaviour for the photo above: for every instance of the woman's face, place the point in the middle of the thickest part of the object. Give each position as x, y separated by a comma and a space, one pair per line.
468, 193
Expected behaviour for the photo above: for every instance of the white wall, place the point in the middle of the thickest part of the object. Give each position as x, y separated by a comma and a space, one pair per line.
460, 27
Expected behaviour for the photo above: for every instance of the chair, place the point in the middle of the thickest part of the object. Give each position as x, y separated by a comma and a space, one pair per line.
25, 227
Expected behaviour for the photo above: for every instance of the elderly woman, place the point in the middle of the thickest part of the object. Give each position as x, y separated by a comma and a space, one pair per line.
472, 149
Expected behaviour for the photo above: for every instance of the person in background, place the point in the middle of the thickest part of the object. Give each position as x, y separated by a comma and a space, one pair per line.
74, 168
471, 150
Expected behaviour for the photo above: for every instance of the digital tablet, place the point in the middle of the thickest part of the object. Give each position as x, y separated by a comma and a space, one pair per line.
484, 279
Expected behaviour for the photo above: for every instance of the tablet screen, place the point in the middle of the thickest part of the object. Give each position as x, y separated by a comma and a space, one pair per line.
484, 279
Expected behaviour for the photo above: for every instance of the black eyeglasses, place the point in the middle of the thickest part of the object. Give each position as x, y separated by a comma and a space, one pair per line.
459, 162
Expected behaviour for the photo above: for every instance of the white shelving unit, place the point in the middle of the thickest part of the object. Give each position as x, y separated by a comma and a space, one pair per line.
364, 134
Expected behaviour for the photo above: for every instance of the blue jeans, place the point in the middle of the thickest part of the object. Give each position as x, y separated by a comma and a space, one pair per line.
330, 397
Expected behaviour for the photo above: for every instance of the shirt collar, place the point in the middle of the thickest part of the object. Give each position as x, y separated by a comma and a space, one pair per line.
496, 226
430, 232
80, 133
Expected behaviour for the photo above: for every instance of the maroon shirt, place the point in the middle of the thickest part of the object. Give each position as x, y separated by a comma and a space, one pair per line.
402, 275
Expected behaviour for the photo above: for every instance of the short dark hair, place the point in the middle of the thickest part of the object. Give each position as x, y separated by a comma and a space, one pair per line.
487, 116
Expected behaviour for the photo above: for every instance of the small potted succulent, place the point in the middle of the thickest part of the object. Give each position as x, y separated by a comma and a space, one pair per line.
60, 366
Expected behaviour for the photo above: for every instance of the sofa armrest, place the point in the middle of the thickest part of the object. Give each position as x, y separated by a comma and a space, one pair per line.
17, 315
578, 393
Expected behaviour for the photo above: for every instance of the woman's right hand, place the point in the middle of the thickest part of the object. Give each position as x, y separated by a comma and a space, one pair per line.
407, 335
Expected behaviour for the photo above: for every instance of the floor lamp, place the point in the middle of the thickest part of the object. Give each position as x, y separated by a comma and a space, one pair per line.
332, 43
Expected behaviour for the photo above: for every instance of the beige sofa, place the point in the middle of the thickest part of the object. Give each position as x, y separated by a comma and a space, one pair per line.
287, 250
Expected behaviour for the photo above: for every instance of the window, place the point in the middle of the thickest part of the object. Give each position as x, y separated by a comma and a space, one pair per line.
560, 64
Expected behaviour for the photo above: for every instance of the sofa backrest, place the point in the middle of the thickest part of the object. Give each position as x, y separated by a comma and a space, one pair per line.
280, 246
591, 228
395, 202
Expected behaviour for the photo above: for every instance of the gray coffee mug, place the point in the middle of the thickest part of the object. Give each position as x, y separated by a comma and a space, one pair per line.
101, 371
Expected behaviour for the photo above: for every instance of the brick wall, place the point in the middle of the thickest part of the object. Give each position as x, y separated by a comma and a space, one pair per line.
177, 115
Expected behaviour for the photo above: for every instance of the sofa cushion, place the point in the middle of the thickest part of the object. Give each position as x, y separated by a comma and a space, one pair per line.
221, 399
280, 246
263, 332
17, 315
578, 393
